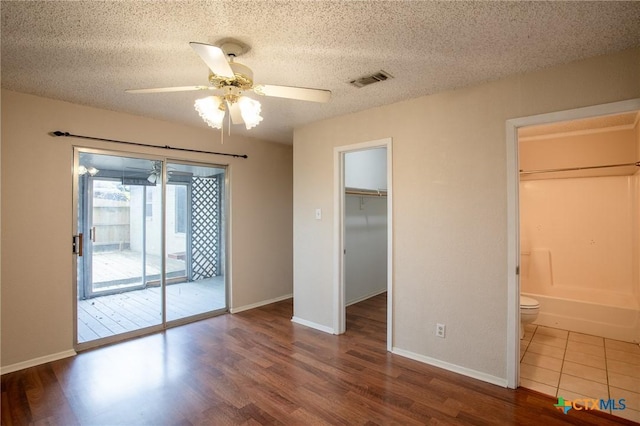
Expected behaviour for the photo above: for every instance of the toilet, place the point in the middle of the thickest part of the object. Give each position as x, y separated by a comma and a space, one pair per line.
529, 309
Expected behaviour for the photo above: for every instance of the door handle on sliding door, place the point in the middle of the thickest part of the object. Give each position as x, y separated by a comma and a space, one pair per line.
92, 234
77, 244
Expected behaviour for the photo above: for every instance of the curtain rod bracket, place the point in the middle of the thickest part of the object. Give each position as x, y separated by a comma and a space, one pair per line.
67, 134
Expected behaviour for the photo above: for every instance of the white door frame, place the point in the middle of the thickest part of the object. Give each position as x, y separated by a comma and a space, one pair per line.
513, 215
339, 319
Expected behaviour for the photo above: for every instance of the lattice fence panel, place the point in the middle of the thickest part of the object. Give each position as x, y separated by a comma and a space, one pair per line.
205, 227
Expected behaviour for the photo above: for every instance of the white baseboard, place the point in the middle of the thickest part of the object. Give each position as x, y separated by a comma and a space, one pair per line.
36, 361
313, 325
452, 367
262, 303
368, 296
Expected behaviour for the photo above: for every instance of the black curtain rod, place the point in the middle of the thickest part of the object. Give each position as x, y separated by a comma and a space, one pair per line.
71, 135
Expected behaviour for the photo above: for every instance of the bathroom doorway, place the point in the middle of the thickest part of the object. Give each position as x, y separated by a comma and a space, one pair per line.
557, 164
578, 219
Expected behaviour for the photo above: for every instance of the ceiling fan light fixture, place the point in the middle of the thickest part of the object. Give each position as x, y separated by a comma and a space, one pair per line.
212, 110
250, 110
232, 79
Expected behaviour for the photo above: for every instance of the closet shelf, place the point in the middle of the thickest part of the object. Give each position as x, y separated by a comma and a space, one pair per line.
366, 192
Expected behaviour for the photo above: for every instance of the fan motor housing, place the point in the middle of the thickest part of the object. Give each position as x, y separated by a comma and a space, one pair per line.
243, 77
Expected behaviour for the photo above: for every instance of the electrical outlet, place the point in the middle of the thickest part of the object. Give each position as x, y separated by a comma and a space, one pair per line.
440, 330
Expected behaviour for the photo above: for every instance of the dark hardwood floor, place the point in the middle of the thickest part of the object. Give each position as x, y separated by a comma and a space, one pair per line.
257, 367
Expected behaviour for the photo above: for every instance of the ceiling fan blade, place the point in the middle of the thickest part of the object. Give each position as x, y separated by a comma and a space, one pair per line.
214, 57
170, 89
235, 113
289, 92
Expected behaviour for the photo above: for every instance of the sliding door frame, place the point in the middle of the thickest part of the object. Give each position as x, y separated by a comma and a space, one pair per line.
225, 226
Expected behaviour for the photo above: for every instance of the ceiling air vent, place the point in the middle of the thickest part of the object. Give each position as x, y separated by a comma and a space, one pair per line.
370, 79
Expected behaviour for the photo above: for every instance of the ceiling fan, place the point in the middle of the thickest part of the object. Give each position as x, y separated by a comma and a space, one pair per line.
154, 174
229, 80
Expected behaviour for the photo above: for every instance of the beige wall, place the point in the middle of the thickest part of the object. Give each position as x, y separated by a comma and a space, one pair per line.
450, 204
37, 314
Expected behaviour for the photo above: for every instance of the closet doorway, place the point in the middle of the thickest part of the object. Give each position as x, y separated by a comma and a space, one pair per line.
363, 222
149, 238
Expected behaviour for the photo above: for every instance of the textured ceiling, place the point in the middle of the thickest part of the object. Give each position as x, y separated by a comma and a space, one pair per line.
90, 52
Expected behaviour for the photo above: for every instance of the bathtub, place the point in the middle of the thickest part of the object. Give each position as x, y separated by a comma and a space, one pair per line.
600, 311
619, 322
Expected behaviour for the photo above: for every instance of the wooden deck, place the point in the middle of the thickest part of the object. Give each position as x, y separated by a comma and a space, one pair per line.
130, 310
107, 316
114, 268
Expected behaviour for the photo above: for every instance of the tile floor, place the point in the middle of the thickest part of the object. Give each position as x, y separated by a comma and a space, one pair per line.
574, 365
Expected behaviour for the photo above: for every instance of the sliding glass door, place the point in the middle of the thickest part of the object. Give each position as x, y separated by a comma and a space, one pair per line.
194, 240
149, 243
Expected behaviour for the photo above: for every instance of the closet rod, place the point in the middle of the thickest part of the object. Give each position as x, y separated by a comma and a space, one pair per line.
568, 169
58, 133
369, 192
